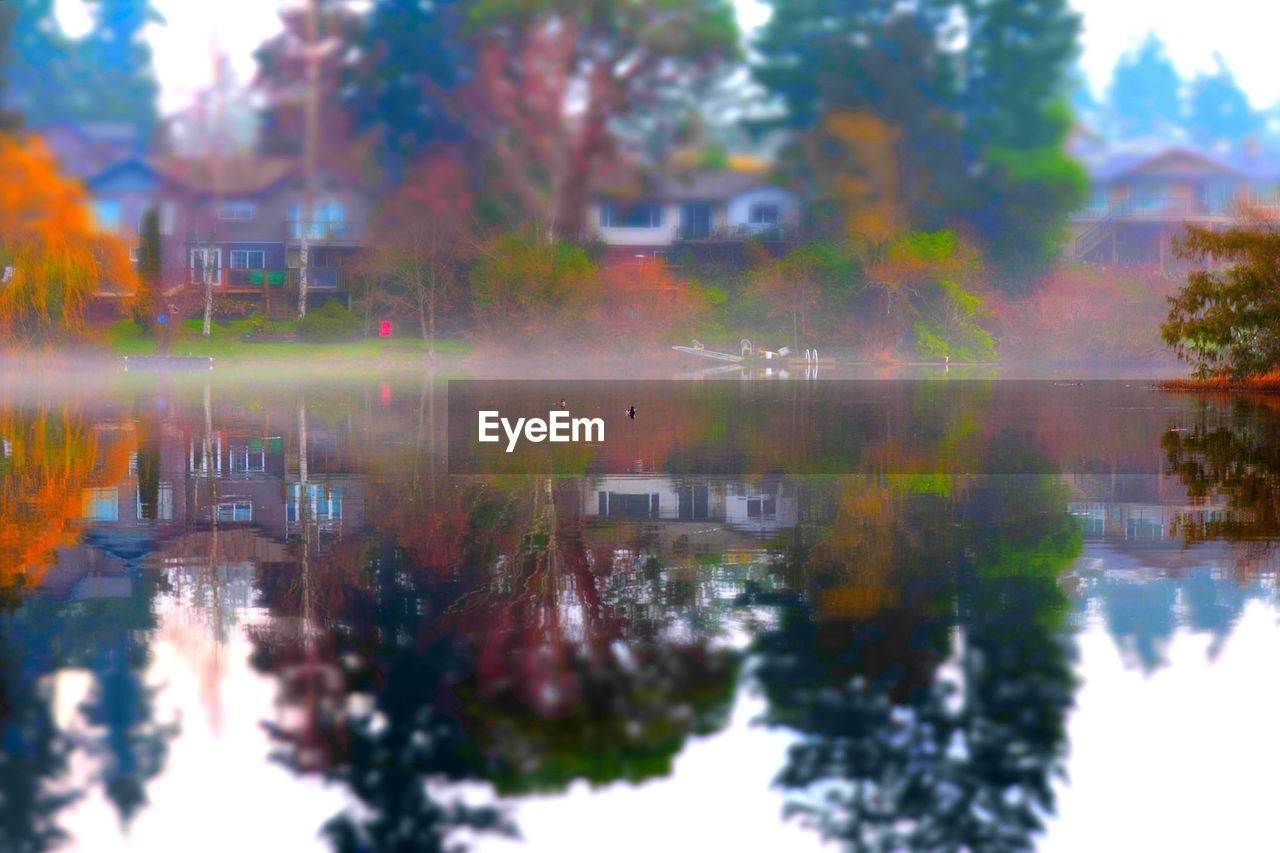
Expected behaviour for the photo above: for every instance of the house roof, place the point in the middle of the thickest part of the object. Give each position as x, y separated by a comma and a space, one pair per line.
237, 174
98, 132
692, 185
704, 185
1146, 156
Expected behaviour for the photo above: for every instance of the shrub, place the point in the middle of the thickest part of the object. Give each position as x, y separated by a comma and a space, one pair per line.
329, 323
225, 309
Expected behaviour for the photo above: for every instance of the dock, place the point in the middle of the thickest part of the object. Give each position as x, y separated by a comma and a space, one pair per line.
165, 363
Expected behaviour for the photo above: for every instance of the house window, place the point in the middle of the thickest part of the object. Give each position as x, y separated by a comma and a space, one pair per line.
135, 254
328, 218
695, 220
294, 259
237, 210
249, 458
106, 215
101, 504
233, 511
643, 215
760, 213
254, 259
762, 508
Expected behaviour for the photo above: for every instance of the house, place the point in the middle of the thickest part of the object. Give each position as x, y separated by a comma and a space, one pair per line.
1143, 196
698, 206
240, 221
759, 510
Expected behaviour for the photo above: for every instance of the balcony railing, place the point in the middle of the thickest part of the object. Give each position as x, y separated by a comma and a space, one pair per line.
324, 278
730, 233
1158, 208
246, 279
346, 232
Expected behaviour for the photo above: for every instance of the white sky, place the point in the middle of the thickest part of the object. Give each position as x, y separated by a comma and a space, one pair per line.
1243, 30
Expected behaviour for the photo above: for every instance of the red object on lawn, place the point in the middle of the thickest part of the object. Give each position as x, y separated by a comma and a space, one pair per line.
386, 329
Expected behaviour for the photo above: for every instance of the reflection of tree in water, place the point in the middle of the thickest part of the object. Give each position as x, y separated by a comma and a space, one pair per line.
1232, 457
897, 752
505, 665
53, 456
569, 685
129, 746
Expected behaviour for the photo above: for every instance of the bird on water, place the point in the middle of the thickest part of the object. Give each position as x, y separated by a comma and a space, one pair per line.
631, 412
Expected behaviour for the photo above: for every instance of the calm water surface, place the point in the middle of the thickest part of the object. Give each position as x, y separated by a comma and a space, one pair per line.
895, 616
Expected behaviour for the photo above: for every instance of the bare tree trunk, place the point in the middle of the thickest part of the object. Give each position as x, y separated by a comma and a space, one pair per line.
431, 320
208, 294
310, 134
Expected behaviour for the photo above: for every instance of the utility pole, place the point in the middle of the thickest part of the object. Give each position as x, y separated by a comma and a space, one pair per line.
215, 168
312, 54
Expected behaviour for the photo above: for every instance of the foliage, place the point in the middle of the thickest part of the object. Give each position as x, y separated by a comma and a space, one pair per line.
105, 76
330, 323
550, 290
792, 287
225, 308
1145, 91
949, 328
52, 458
60, 261
9, 120
646, 303
549, 145
1225, 319
1218, 109
853, 158
1082, 313
975, 129
403, 77
421, 248
150, 270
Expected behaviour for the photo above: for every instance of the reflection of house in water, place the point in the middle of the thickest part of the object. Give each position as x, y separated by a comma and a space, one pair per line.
1135, 507
1137, 575
757, 509
183, 482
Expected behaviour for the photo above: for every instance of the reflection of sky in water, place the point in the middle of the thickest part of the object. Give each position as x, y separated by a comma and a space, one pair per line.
1164, 732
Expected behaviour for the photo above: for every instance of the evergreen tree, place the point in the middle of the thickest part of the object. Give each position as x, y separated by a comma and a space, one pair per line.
1016, 69
983, 119
8, 120
106, 76
1146, 92
411, 58
1218, 109
150, 268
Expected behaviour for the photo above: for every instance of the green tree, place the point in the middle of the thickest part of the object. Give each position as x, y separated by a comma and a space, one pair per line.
548, 290
868, 57
981, 121
106, 76
1015, 81
402, 75
9, 121
1226, 319
1146, 91
1218, 110
150, 270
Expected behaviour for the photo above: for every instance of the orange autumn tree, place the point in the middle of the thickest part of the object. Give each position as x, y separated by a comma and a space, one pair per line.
50, 459
53, 259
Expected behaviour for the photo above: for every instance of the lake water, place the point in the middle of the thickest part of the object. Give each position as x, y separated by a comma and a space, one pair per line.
788, 615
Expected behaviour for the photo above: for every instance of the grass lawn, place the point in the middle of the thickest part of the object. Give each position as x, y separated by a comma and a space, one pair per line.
226, 343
